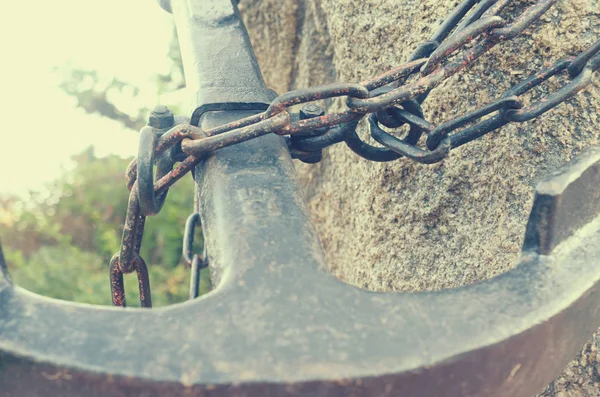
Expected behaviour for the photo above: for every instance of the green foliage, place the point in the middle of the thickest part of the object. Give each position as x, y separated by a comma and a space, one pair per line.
59, 244
67, 273
64, 272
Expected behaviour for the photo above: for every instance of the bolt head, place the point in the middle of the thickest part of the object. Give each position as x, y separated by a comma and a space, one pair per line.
311, 110
160, 109
161, 117
166, 5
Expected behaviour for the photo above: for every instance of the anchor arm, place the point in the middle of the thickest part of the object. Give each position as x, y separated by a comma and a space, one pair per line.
278, 324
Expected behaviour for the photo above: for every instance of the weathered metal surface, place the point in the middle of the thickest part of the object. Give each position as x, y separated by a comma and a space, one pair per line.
215, 31
277, 323
150, 154
331, 137
133, 231
405, 148
471, 29
521, 23
578, 83
205, 146
150, 204
582, 59
430, 77
459, 39
435, 136
397, 148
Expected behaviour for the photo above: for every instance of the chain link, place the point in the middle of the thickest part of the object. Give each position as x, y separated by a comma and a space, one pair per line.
389, 99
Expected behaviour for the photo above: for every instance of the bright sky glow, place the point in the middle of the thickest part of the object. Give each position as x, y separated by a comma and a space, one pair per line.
40, 126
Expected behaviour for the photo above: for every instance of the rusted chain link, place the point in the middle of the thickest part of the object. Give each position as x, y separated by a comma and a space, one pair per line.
391, 99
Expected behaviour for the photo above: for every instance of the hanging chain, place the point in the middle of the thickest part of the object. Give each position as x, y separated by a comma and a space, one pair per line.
389, 99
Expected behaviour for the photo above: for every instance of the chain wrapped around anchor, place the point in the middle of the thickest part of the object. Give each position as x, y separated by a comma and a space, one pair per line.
391, 99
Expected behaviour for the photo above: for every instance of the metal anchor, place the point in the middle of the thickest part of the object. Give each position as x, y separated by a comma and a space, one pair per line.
277, 323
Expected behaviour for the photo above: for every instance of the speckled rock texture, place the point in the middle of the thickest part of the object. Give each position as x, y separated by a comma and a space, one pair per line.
403, 226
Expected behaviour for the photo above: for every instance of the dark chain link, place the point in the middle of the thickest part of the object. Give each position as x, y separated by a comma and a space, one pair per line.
389, 99
196, 262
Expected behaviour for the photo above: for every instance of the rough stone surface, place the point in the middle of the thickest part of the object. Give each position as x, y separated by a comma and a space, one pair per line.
402, 226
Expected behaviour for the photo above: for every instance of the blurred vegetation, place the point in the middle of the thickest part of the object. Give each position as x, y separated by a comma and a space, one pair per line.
115, 98
58, 243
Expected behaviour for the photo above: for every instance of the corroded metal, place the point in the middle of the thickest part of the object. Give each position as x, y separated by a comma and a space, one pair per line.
133, 231
207, 145
523, 21
435, 136
150, 204
459, 39
578, 83
471, 29
276, 322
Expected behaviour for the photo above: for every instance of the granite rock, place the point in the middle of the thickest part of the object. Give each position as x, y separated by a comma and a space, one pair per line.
403, 226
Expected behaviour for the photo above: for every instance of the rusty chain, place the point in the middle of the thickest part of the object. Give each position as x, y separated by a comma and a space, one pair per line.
391, 99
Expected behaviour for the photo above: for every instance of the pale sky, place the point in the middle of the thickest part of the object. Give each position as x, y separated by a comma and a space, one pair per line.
41, 128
